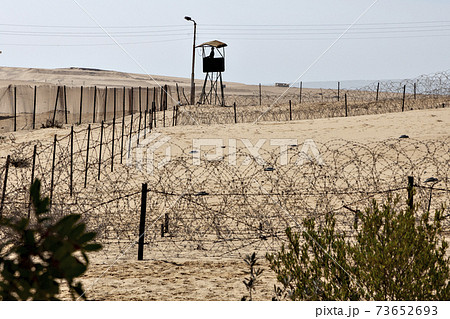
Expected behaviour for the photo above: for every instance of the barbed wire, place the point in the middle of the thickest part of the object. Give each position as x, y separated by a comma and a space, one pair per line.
224, 206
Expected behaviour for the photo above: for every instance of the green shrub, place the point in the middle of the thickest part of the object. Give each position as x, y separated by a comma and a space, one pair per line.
36, 258
397, 254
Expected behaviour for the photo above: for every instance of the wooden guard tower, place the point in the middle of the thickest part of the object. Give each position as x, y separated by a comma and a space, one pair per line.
213, 54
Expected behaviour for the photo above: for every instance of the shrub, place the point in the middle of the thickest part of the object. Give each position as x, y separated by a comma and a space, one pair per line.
394, 256
253, 276
37, 258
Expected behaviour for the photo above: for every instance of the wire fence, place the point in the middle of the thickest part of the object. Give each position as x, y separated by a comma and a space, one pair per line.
425, 92
25, 107
204, 204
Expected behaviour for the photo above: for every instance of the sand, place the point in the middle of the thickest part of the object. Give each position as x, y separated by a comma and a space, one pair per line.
211, 278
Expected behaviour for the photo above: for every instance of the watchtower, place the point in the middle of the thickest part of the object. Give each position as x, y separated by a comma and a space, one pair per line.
213, 54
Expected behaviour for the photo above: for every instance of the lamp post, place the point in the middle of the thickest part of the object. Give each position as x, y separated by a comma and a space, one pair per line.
193, 61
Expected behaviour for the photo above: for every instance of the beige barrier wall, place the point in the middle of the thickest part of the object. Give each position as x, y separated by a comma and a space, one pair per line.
47, 104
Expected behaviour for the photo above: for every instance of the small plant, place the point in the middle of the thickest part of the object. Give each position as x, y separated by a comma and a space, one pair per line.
250, 282
37, 258
49, 123
19, 162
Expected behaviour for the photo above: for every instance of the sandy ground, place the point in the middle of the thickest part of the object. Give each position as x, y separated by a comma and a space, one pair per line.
212, 278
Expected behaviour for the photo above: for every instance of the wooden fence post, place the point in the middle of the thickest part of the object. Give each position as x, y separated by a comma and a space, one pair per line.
87, 155
235, 113
415, 90
8, 160
142, 222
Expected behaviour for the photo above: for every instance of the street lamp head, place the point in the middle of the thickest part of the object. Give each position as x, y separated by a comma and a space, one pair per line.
187, 18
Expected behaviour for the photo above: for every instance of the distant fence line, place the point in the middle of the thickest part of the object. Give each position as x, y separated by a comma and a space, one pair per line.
25, 107
28, 107
426, 91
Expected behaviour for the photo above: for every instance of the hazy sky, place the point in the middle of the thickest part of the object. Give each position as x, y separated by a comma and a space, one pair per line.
268, 41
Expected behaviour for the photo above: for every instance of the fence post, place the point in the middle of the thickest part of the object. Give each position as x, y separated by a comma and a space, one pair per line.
34, 107
81, 105
411, 192
100, 153
154, 113
32, 176
415, 90
56, 104
115, 103
140, 99
131, 133
87, 155
71, 161
404, 95
106, 103
95, 103
173, 116
260, 94
8, 159
53, 171
145, 124
139, 127
290, 110
235, 115
178, 92
339, 91
65, 104
113, 138
15, 108
346, 105
123, 126
146, 102
300, 93
176, 115
378, 91
164, 116
166, 223
142, 222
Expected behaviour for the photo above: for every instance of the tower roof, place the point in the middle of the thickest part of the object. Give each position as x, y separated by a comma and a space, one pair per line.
214, 43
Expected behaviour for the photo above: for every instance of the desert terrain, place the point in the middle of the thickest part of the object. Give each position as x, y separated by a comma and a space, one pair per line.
218, 212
